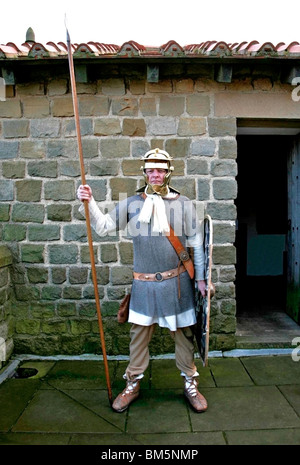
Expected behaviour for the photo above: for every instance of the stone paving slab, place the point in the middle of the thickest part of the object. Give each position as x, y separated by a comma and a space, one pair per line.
268, 437
14, 397
273, 370
229, 372
242, 408
54, 411
166, 412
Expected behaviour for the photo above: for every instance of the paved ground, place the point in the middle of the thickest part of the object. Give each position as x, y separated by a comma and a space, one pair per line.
252, 400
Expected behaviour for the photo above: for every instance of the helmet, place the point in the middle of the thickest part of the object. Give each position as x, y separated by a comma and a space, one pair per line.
157, 158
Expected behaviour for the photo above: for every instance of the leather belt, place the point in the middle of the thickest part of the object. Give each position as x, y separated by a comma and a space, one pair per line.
160, 275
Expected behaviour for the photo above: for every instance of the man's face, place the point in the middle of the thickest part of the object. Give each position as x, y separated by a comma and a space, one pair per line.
155, 175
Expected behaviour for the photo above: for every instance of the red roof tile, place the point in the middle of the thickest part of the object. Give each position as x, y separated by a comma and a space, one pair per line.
35, 50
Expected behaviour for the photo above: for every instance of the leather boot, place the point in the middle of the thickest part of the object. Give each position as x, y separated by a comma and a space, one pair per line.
128, 395
196, 400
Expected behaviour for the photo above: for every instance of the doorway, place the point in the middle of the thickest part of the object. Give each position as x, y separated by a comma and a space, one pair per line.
261, 241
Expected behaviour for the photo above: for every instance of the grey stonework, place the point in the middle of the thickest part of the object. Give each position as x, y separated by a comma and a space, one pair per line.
122, 116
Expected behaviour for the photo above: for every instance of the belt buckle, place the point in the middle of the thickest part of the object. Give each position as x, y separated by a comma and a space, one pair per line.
158, 276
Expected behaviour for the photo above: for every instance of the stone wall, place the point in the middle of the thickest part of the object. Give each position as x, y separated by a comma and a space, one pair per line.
122, 117
6, 320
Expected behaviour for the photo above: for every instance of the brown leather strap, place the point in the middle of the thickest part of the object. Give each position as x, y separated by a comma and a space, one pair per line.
180, 250
160, 275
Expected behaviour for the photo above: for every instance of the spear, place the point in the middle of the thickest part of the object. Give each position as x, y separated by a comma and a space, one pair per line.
87, 215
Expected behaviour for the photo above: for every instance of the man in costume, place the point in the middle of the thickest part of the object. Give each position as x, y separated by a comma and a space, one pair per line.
162, 289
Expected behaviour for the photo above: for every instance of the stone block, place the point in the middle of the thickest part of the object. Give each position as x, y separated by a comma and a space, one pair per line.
5, 256
203, 147
45, 232
134, 127
63, 254
32, 149
121, 275
93, 105
98, 187
224, 255
59, 190
6, 190
13, 169
15, 128
10, 108
32, 253
197, 166
78, 275
62, 106
184, 86
30, 88
221, 210
70, 168
108, 253
37, 275
107, 126
69, 129
224, 233
162, 126
8, 149
121, 186
203, 189
221, 127
137, 86
60, 212
224, 189
113, 86
171, 106
126, 253
28, 326
28, 190
223, 168
4, 212
131, 167
191, 126
59, 275
45, 128
115, 148
125, 107
163, 86
228, 148
54, 327
80, 326
104, 167
75, 232
57, 87
198, 105
148, 106
63, 148
178, 148
36, 107
14, 232
44, 169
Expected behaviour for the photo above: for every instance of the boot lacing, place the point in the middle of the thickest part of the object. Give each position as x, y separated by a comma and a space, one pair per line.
191, 386
131, 385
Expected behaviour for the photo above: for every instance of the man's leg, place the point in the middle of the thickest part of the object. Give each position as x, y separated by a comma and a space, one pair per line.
184, 353
140, 336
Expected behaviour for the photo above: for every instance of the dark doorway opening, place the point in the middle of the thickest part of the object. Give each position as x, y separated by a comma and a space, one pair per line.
262, 226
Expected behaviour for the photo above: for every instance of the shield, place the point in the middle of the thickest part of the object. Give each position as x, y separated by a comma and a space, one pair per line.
201, 328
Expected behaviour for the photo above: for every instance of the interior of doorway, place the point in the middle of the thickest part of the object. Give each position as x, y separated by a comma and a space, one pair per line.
262, 222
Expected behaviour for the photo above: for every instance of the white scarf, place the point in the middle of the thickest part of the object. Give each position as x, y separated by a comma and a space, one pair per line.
155, 204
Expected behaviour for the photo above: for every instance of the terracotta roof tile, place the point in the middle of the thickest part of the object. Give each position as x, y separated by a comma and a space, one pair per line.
35, 50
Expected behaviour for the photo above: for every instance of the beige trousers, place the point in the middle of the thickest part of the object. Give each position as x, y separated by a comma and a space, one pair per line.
139, 351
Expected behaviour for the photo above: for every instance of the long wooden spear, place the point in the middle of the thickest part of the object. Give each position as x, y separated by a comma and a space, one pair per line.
87, 215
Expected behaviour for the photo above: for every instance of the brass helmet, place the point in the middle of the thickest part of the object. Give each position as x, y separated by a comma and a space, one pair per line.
157, 158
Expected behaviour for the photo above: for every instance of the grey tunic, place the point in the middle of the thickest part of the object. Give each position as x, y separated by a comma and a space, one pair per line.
159, 302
